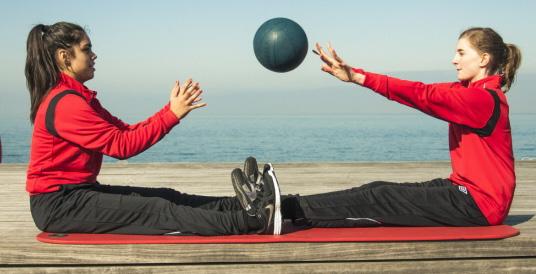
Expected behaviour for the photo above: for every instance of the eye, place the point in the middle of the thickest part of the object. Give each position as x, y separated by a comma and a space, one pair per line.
86, 48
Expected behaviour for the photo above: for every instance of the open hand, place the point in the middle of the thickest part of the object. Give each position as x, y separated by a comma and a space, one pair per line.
185, 98
334, 65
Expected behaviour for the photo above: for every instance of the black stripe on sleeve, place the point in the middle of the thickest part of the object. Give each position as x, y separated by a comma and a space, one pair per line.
51, 111
492, 122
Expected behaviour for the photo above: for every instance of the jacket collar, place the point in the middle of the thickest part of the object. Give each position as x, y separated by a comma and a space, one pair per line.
490, 82
67, 82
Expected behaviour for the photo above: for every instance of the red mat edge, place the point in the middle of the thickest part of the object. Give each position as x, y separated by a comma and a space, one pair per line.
377, 234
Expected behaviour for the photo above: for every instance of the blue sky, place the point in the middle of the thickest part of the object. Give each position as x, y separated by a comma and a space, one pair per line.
143, 46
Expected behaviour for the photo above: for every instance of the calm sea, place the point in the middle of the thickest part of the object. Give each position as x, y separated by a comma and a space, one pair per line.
351, 138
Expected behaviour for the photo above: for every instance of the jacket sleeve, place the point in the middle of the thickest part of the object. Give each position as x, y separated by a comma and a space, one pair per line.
77, 122
118, 122
471, 107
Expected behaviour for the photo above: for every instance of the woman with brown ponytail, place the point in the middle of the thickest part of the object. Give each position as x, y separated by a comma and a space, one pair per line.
480, 189
72, 131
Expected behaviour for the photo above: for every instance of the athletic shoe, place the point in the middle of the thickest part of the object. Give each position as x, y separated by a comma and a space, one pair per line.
244, 190
269, 204
266, 207
251, 170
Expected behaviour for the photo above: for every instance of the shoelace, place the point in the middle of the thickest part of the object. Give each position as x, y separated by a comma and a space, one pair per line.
259, 182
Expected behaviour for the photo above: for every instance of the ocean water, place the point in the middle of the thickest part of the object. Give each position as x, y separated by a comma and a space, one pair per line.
339, 138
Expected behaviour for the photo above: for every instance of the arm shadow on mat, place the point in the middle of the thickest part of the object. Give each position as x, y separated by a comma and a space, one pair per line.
517, 219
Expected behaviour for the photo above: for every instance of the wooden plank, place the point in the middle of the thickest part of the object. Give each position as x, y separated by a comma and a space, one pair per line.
22, 249
17, 232
15, 253
452, 266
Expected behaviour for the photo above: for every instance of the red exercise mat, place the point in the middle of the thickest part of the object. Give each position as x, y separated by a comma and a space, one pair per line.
369, 234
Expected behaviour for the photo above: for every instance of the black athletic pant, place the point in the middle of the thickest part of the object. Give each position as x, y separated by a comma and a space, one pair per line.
434, 203
96, 208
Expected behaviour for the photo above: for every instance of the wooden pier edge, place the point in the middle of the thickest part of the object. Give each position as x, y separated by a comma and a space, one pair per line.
21, 253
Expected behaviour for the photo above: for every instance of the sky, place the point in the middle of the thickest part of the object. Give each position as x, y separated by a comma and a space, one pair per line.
144, 46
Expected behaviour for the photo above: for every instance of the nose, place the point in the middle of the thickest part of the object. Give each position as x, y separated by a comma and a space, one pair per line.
455, 60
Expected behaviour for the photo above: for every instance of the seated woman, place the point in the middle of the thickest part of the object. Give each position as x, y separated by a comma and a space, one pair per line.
479, 190
72, 131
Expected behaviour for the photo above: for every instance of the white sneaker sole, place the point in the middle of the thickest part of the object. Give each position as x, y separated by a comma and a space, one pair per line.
278, 220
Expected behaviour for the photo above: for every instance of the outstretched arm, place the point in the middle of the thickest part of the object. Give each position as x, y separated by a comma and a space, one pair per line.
79, 123
472, 107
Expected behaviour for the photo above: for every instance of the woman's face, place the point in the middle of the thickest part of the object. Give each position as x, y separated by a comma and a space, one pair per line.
469, 63
80, 64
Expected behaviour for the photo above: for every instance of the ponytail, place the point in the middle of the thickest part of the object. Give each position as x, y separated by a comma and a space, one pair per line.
510, 66
42, 71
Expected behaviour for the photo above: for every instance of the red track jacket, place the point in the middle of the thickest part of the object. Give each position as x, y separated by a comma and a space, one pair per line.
87, 132
483, 163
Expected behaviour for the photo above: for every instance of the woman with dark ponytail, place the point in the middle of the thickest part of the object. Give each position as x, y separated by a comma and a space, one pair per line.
480, 189
42, 71
71, 133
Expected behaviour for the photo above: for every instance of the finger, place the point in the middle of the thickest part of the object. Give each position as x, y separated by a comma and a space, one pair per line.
190, 95
175, 90
321, 51
318, 48
189, 82
336, 56
192, 107
327, 60
330, 48
327, 69
193, 87
323, 56
185, 86
194, 96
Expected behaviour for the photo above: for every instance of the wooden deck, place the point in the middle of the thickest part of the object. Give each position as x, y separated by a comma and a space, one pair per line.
20, 252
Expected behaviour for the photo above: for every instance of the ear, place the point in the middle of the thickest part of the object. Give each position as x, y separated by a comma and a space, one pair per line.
62, 57
484, 60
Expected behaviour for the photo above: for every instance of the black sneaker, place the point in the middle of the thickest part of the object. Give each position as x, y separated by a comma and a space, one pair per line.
266, 205
251, 170
244, 190
269, 205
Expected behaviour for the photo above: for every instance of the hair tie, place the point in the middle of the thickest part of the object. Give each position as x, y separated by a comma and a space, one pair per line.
44, 29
